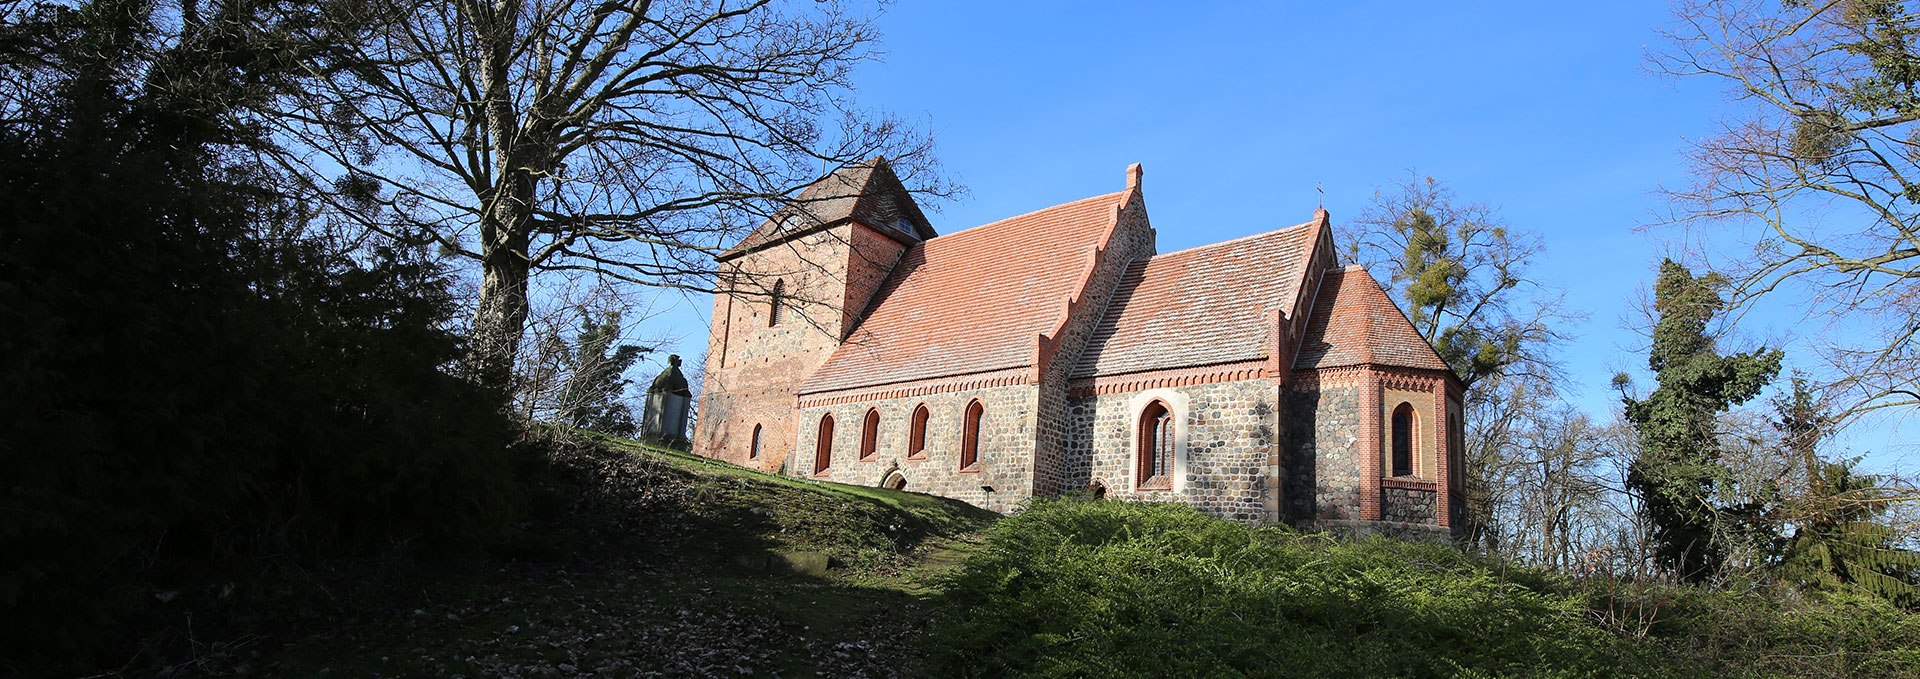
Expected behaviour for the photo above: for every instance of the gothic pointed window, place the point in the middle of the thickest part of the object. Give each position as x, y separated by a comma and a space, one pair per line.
970, 437
753, 451
870, 434
1404, 423
917, 434
776, 301
823, 445
1155, 443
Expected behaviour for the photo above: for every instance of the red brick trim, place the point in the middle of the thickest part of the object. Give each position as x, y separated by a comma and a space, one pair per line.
1313, 379
1407, 483
1160, 379
939, 385
1393, 378
1371, 450
1047, 345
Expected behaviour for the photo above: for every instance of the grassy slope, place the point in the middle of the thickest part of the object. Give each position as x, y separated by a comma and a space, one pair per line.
650, 560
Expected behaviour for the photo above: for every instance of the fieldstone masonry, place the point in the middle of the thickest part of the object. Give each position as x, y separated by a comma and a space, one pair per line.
1283, 421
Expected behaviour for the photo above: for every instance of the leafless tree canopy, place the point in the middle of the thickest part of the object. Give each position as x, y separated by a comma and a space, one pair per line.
631, 139
1822, 158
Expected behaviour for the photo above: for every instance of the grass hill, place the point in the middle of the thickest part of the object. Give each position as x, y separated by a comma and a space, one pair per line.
647, 562
639, 561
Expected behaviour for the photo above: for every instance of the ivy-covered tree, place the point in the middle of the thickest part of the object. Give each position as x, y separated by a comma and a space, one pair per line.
1817, 169
1678, 471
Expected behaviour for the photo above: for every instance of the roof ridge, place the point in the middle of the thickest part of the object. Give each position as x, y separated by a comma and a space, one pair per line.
1312, 302
1231, 241
1047, 345
1029, 213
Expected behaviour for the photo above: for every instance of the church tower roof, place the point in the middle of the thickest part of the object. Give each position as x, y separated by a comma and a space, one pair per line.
866, 192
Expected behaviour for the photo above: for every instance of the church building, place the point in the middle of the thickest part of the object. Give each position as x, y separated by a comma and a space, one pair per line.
1059, 351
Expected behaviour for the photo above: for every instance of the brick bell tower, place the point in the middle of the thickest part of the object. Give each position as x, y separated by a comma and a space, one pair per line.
788, 295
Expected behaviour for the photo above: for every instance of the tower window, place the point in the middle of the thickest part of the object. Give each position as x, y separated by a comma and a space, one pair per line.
777, 300
1404, 423
753, 451
970, 437
870, 434
917, 434
823, 445
1155, 445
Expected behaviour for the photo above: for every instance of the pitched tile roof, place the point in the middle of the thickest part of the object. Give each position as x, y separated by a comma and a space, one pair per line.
1200, 306
1354, 322
972, 301
867, 192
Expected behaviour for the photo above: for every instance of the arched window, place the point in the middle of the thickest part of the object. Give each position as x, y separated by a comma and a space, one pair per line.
823, 445
753, 452
970, 437
896, 481
1097, 490
1403, 437
776, 301
917, 434
1155, 445
870, 434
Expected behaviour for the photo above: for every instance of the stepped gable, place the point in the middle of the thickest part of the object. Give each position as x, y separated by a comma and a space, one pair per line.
1200, 306
866, 192
1355, 323
972, 301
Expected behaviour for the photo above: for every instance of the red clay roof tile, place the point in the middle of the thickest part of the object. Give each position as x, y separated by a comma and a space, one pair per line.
1355, 322
1199, 306
972, 301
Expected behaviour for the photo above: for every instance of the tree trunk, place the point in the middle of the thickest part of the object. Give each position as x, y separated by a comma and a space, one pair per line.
501, 316
506, 214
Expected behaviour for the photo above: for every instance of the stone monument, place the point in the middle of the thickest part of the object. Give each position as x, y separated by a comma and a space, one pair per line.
665, 420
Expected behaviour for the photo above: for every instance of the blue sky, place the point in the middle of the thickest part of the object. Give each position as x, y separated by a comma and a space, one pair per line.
1545, 111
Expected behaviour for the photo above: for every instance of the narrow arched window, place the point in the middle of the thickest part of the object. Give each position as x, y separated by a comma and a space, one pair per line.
970, 436
753, 451
1154, 441
870, 434
776, 302
823, 445
1403, 436
917, 434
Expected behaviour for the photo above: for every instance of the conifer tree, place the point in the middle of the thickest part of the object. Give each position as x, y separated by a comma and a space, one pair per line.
1840, 540
1678, 470
591, 397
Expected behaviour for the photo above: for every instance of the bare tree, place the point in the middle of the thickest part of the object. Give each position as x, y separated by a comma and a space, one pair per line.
631, 139
1464, 277
1820, 164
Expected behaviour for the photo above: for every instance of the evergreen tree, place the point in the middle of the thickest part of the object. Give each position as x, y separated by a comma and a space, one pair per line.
1840, 540
199, 386
1678, 471
591, 397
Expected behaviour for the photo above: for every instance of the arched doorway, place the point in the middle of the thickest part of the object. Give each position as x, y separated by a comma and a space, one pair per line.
895, 481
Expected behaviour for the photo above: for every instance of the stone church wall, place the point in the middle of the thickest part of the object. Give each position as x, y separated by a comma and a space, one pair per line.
1407, 505
1006, 445
1230, 430
1323, 447
753, 368
1133, 239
